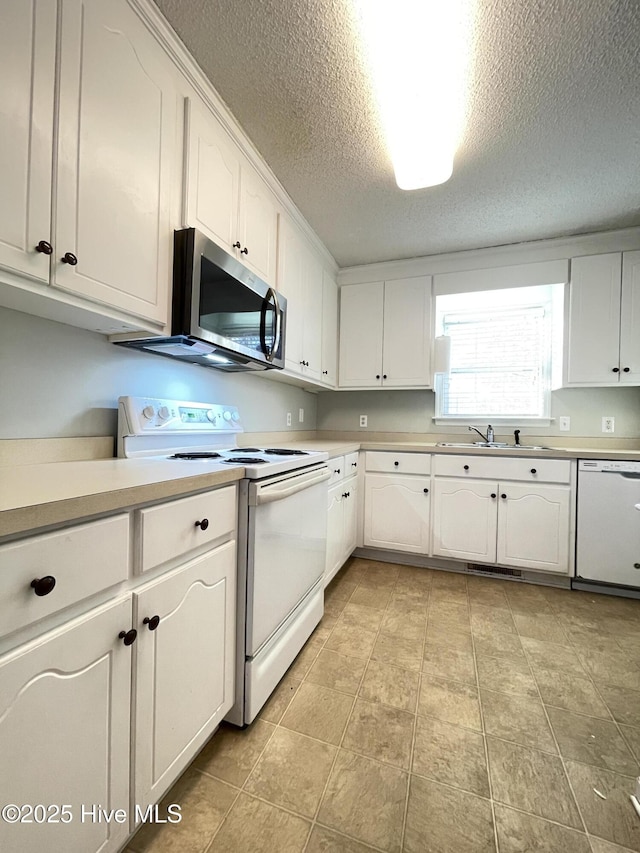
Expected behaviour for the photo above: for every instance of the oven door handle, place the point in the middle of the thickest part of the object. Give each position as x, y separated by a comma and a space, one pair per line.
270, 351
278, 491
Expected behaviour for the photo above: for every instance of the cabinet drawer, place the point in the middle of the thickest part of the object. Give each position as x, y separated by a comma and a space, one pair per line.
499, 468
403, 463
177, 527
83, 560
336, 466
351, 464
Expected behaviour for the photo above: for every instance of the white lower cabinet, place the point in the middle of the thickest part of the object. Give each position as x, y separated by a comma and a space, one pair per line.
64, 734
185, 666
396, 512
511, 524
342, 513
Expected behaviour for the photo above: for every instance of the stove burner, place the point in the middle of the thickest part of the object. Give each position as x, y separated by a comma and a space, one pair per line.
206, 454
248, 450
245, 460
276, 451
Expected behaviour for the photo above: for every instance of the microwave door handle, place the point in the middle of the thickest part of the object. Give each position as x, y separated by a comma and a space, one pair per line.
267, 350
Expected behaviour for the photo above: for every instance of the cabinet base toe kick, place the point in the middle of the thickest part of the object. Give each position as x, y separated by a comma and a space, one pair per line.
559, 579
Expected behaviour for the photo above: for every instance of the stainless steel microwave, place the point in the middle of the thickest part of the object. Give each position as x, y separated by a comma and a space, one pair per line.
223, 315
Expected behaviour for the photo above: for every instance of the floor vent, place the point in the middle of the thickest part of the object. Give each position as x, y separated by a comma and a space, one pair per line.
474, 568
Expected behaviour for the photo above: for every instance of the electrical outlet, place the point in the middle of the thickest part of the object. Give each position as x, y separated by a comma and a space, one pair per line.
608, 424
363, 420
301, 415
288, 418
565, 424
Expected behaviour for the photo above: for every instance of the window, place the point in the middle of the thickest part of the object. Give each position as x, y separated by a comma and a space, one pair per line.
505, 348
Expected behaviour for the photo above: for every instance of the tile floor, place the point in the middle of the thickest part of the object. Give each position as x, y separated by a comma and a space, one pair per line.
432, 712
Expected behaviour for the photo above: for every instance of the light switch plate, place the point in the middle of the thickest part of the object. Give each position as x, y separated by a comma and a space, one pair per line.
288, 418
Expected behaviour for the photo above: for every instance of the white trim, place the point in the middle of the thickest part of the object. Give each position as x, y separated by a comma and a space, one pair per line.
443, 420
558, 248
500, 278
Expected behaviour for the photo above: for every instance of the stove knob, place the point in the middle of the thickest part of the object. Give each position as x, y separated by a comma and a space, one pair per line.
235, 417
163, 413
148, 412
226, 416
211, 416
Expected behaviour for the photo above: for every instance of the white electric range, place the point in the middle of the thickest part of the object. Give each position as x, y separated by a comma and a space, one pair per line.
282, 529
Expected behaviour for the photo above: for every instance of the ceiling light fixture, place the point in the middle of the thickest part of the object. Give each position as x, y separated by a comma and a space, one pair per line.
418, 52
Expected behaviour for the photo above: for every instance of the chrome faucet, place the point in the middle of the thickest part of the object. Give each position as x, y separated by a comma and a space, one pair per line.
489, 437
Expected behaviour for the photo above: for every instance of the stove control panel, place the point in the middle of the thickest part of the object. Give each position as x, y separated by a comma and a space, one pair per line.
146, 415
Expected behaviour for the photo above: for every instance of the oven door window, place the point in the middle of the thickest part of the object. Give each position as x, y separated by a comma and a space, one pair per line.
235, 313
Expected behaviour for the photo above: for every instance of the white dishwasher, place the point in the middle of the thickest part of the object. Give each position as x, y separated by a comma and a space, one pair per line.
608, 525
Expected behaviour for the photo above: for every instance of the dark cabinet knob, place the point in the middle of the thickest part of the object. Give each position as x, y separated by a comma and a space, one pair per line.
493, 495
466, 467
503, 496
346, 494
128, 637
636, 565
69, 258
44, 247
203, 524
43, 586
626, 369
534, 471
426, 491
354, 464
325, 372
384, 375
336, 470
377, 376
616, 370
152, 623
237, 244
244, 251
396, 464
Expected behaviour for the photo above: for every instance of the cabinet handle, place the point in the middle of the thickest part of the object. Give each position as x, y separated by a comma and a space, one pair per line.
503, 496
44, 247
237, 244
426, 491
626, 369
396, 464
325, 372
203, 524
304, 363
152, 623
69, 258
384, 375
493, 495
43, 586
346, 494
336, 470
534, 471
244, 251
128, 637
377, 376
354, 464
615, 369
636, 565
466, 467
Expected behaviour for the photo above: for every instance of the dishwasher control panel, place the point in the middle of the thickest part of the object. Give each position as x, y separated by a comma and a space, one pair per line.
617, 466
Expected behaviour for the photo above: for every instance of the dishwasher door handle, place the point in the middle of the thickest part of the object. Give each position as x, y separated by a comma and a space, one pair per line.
279, 491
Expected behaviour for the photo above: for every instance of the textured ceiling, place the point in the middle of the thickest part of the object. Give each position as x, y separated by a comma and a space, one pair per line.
552, 139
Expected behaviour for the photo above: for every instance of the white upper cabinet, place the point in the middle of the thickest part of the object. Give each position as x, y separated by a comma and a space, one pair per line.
110, 238
329, 329
385, 334
27, 60
300, 280
603, 345
225, 198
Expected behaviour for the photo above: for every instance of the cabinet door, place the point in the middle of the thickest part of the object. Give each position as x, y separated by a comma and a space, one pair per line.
335, 532
594, 320
64, 732
361, 312
258, 225
291, 285
465, 519
27, 69
533, 527
212, 177
185, 667
329, 329
351, 517
312, 341
406, 346
630, 320
117, 128
396, 513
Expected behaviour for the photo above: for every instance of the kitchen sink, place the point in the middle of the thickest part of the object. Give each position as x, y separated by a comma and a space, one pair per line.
493, 445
